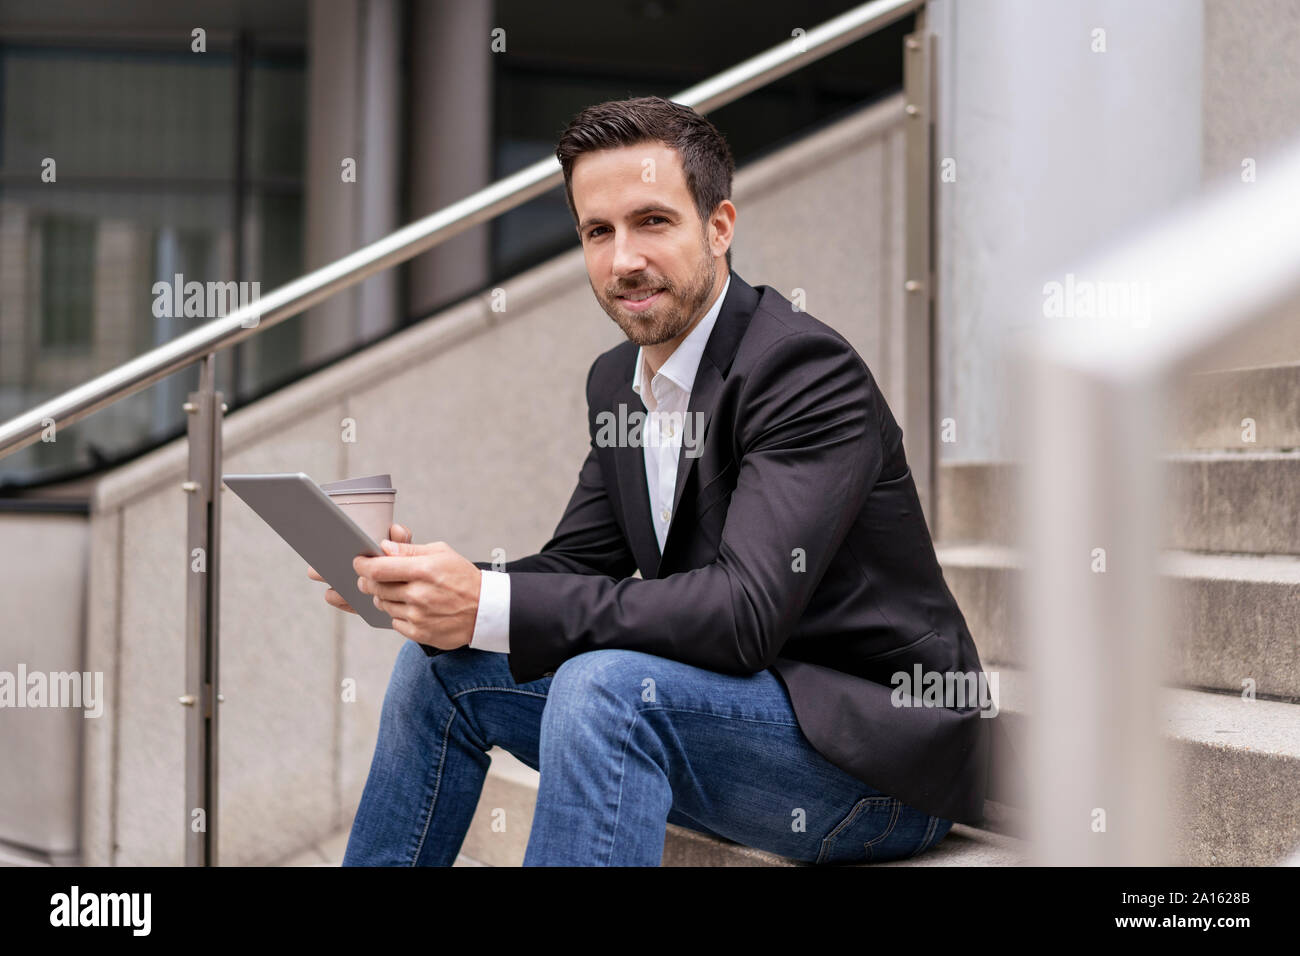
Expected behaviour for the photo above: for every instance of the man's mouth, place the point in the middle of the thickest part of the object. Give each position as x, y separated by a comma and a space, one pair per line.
640, 299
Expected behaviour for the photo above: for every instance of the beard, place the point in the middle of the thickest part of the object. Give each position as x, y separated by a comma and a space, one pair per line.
671, 314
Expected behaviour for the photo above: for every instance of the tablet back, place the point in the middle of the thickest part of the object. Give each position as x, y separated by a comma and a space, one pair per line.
315, 527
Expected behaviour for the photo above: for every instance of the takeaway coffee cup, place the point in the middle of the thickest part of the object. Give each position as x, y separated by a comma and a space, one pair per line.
367, 501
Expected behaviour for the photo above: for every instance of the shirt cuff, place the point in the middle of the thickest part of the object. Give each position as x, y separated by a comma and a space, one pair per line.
492, 625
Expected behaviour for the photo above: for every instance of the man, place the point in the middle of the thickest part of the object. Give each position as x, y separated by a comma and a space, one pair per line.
745, 684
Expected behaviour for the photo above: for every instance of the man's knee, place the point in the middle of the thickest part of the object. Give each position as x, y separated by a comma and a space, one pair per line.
593, 692
615, 673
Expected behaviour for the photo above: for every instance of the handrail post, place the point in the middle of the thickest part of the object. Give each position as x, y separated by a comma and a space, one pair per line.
203, 539
918, 266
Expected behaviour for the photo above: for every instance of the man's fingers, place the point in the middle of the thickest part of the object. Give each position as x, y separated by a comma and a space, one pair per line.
396, 591
394, 609
388, 568
334, 599
397, 532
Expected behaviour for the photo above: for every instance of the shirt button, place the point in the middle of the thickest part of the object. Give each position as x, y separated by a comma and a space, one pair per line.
664, 514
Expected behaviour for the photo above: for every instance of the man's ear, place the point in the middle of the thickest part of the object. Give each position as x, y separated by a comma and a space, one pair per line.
723, 222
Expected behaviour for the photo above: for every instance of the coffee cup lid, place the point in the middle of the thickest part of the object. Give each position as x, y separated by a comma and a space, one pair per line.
364, 483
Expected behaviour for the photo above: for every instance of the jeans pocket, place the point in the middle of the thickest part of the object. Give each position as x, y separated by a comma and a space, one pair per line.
868, 824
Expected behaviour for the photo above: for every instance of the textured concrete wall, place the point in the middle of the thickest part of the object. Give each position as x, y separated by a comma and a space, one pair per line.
1251, 100
827, 217
43, 568
480, 418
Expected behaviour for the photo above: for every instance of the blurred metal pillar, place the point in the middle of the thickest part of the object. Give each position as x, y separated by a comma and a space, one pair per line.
1094, 626
450, 124
353, 181
1214, 286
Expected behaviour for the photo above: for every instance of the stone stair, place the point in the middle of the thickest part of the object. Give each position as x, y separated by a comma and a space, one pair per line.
1231, 563
510, 791
1237, 766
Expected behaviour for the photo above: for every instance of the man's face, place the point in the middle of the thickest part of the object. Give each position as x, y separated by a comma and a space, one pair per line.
640, 233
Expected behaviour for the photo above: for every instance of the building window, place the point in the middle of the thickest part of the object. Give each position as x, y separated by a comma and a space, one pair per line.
67, 273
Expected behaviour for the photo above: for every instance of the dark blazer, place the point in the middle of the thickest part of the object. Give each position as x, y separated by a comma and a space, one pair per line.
800, 456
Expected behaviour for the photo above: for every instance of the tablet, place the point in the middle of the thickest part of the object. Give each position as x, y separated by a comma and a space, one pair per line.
315, 527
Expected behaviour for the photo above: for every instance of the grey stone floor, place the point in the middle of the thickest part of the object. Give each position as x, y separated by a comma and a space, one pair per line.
329, 852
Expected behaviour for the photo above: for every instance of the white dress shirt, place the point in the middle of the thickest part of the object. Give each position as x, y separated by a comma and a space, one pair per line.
661, 436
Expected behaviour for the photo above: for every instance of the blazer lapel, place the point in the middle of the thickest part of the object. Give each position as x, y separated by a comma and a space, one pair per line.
629, 462
704, 393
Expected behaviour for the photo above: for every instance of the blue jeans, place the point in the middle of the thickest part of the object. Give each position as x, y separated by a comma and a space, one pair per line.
625, 742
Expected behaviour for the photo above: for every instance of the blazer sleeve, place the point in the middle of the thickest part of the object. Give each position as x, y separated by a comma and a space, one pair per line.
587, 541
808, 431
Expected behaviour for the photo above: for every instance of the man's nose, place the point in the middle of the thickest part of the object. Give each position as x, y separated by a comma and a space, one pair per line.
628, 259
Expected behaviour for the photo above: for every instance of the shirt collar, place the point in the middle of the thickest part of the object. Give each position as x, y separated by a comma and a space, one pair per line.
681, 366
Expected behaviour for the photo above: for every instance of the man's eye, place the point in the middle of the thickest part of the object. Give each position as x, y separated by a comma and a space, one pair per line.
591, 234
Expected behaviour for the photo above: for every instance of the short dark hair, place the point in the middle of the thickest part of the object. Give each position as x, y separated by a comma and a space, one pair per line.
706, 157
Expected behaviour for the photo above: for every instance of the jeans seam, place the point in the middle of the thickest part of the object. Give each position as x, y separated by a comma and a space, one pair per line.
896, 806
929, 835
437, 786
507, 690
473, 731
622, 776
709, 713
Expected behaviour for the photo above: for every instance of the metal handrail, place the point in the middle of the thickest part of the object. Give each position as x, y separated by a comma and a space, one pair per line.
423, 234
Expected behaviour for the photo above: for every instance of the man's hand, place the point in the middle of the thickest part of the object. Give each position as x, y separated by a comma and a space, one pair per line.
396, 532
430, 591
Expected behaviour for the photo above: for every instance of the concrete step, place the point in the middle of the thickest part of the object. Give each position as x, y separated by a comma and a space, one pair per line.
11, 855
1234, 617
319, 854
1245, 501
978, 502
1207, 409
963, 846
1237, 501
498, 834
1235, 766
1237, 777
